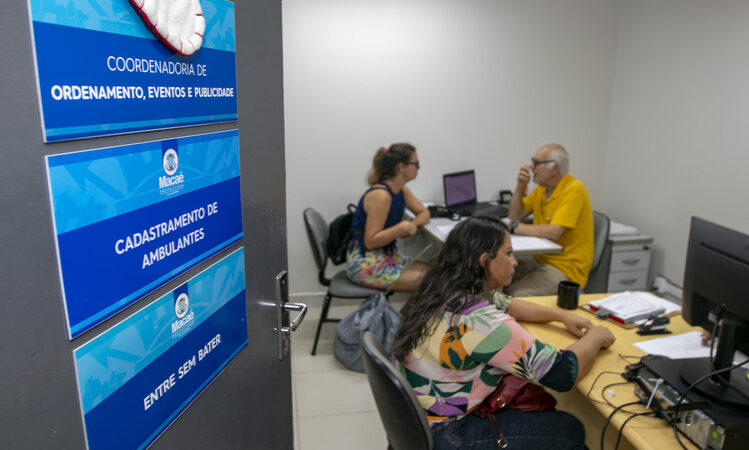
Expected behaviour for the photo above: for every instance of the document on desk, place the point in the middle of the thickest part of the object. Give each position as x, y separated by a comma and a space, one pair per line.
632, 306
524, 243
687, 345
681, 346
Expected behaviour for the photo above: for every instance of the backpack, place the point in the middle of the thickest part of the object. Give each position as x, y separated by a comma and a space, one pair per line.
339, 235
375, 314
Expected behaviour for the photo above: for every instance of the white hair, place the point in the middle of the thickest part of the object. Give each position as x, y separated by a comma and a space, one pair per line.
559, 155
562, 159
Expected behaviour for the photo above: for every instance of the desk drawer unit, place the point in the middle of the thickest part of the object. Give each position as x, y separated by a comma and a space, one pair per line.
629, 269
629, 261
628, 281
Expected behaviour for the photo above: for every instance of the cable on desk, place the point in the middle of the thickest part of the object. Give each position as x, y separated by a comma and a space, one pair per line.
705, 377
611, 404
676, 435
594, 384
606, 401
626, 358
621, 429
608, 419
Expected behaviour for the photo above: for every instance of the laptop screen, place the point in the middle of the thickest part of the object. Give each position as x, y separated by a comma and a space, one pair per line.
460, 188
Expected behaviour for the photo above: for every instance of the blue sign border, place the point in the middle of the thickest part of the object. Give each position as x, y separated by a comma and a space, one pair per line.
124, 224
101, 71
138, 376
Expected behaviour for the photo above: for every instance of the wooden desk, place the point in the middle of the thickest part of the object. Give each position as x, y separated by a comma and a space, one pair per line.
641, 432
440, 227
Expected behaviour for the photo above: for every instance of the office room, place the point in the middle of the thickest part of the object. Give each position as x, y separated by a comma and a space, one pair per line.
649, 98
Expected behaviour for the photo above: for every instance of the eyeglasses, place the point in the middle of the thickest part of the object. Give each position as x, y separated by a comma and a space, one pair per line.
535, 162
415, 163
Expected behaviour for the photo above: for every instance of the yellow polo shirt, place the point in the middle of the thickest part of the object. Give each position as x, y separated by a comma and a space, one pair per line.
568, 206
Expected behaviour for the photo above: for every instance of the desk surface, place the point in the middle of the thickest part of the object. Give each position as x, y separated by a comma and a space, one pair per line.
641, 432
439, 228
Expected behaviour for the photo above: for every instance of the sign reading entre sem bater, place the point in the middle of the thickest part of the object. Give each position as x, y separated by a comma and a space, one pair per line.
128, 219
102, 71
137, 377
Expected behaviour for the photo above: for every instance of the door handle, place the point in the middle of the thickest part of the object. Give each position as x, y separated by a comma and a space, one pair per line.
283, 306
302, 308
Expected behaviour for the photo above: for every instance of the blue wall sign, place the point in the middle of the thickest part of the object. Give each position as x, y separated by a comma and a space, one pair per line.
101, 71
137, 377
127, 219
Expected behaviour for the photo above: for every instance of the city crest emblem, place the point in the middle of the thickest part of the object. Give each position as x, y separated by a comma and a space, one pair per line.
182, 305
170, 162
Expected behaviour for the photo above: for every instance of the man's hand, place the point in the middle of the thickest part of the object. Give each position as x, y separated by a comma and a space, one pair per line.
576, 325
524, 176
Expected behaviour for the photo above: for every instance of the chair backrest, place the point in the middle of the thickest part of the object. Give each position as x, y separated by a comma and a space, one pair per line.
317, 232
401, 414
601, 225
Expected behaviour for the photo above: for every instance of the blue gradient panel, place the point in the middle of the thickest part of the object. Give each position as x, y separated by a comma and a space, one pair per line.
127, 222
137, 377
97, 70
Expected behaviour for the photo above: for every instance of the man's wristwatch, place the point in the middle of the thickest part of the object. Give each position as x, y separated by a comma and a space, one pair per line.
513, 225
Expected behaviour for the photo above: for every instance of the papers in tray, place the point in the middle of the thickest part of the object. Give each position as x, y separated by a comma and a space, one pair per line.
631, 307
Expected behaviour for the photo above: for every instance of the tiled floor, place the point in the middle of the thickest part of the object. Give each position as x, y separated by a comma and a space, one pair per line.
333, 406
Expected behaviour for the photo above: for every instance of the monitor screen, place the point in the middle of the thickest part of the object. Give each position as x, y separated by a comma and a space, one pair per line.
716, 298
460, 188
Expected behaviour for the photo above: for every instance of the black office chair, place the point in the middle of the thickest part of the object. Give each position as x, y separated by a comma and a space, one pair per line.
338, 286
402, 416
599, 271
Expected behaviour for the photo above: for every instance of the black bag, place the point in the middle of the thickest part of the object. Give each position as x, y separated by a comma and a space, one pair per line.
339, 234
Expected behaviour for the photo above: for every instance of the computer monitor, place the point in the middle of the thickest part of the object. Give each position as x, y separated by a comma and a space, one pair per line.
716, 291
460, 188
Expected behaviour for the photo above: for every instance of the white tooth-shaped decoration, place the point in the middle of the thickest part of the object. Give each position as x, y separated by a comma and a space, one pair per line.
178, 23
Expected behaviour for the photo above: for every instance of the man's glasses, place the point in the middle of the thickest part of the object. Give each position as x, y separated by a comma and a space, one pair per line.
535, 162
415, 163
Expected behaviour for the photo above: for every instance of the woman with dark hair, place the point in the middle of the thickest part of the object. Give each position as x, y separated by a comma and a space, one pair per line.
372, 259
459, 336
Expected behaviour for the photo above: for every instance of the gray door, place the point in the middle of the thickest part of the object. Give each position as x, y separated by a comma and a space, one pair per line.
249, 404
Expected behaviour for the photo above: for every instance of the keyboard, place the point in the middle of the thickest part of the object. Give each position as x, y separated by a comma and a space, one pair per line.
481, 209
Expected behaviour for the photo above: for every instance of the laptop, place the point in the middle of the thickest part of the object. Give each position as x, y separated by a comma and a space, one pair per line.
460, 196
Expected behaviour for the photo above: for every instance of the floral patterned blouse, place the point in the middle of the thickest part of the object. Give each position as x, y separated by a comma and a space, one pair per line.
457, 367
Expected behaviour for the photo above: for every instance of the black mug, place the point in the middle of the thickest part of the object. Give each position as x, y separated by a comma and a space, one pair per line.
568, 294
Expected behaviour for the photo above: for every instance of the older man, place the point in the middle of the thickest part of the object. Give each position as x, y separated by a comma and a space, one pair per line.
561, 210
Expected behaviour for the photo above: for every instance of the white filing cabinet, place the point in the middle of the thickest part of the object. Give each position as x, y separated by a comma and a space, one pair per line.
629, 268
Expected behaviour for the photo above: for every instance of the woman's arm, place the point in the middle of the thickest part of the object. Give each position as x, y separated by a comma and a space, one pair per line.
525, 311
587, 347
592, 338
420, 211
377, 205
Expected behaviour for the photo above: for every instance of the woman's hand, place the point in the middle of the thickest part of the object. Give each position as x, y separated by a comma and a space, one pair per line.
576, 325
406, 228
602, 335
587, 347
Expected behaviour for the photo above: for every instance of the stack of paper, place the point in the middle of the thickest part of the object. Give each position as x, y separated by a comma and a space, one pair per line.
619, 229
632, 306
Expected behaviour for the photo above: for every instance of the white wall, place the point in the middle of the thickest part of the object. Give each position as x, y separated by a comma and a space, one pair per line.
471, 83
680, 122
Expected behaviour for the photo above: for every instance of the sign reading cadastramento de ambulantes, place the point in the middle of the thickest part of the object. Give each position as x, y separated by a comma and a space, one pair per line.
111, 67
128, 219
135, 378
